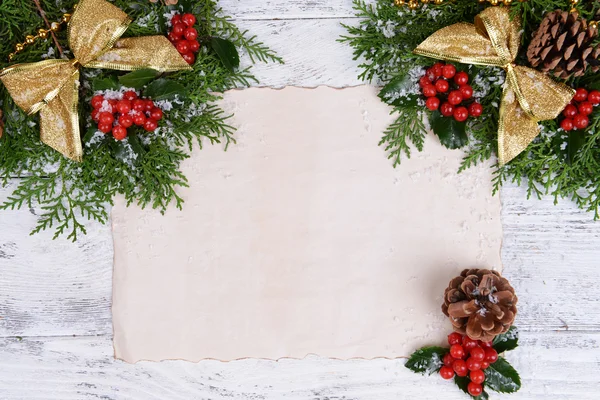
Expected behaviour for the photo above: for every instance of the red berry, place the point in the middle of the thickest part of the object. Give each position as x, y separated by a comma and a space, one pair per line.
447, 372
113, 104
429, 91
581, 121
178, 29
485, 364
124, 106
189, 58
438, 69
175, 19
594, 97
491, 355
173, 37
466, 91
150, 125
149, 104
106, 118
461, 78
477, 353
448, 71
442, 85
457, 351
139, 119
97, 101
567, 124
194, 45
460, 114
125, 120
455, 97
424, 81
130, 95
474, 389
454, 338
446, 109
188, 19
460, 367
477, 376
570, 111
119, 132
156, 114
432, 103
475, 109
105, 127
182, 46
95, 115
469, 343
190, 34
139, 105
586, 108
485, 345
473, 364
580, 95
448, 360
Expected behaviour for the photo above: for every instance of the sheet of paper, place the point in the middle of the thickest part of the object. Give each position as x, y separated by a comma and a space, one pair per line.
301, 239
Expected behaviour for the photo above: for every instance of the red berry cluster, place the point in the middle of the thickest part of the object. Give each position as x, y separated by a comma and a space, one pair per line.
582, 105
116, 115
468, 356
184, 37
441, 84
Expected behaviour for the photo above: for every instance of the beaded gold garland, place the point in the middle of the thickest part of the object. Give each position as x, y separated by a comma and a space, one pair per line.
41, 34
414, 4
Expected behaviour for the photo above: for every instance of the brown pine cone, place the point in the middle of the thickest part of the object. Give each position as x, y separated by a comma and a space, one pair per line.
480, 303
563, 45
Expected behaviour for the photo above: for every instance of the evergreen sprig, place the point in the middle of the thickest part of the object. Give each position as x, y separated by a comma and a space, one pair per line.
144, 168
557, 163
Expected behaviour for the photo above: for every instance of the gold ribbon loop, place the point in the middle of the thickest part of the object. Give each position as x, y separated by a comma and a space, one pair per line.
529, 96
51, 87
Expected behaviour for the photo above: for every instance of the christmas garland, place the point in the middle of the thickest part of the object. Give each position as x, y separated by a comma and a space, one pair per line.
516, 79
113, 110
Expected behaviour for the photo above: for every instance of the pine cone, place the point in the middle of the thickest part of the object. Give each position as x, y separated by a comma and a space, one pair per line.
563, 44
480, 303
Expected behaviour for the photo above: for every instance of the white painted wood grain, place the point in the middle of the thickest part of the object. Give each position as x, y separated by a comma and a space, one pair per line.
285, 9
552, 365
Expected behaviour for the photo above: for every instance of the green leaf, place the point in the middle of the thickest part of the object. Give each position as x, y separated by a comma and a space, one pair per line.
136, 146
89, 134
399, 92
163, 88
463, 382
426, 360
137, 79
105, 84
227, 52
575, 142
502, 377
506, 341
452, 133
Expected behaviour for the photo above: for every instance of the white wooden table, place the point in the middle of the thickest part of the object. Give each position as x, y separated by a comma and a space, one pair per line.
55, 296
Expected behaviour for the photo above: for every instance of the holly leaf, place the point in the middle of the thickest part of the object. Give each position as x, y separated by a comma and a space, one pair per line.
399, 92
575, 142
136, 146
89, 134
164, 89
452, 133
506, 341
463, 382
502, 377
105, 84
226, 51
426, 360
137, 79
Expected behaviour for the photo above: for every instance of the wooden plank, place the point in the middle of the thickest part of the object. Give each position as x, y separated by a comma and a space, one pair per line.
52, 287
284, 9
563, 365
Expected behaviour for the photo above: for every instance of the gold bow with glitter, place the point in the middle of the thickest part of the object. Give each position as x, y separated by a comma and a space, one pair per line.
529, 96
51, 87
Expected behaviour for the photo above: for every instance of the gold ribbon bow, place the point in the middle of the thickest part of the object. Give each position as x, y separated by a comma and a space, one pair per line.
51, 86
529, 95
